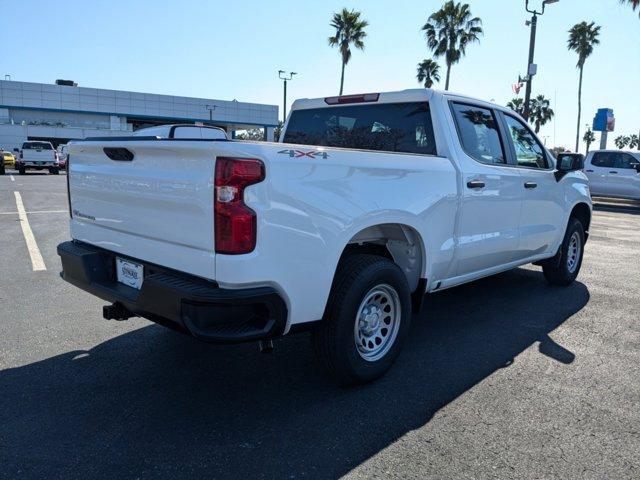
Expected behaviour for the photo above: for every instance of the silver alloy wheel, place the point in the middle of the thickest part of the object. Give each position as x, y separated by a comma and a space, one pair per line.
377, 322
573, 252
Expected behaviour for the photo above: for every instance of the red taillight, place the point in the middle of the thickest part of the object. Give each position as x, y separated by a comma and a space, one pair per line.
235, 223
365, 97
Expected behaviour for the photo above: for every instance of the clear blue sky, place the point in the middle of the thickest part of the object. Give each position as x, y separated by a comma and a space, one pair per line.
232, 50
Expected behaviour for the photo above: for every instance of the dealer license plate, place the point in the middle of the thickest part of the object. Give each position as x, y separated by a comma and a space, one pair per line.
129, 273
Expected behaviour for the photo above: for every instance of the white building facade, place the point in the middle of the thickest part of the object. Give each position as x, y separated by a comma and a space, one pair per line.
59, 113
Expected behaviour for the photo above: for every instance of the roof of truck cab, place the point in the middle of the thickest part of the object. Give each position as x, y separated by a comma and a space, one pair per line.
475, 100
411, 95
408, 95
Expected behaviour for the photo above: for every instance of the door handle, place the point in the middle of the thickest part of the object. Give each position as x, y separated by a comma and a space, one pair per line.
475, 184
530, 184
613, 171
590, 171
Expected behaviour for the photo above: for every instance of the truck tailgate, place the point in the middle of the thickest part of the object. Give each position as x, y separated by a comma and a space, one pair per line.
157, 206
38, 155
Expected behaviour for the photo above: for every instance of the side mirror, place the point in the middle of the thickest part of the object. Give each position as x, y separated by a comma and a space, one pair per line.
568, 163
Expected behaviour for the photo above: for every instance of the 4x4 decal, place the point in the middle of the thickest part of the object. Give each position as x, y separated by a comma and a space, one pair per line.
301, 153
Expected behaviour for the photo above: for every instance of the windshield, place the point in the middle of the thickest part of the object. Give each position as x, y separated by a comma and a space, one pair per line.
393, 127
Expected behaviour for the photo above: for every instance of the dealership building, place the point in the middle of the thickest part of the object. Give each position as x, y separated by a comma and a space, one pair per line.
63, 111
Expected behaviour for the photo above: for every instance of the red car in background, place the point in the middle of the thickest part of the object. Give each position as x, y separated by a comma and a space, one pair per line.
62, 153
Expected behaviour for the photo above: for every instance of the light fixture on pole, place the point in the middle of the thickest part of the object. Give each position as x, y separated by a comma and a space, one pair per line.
211, 108
532, 68
285, 77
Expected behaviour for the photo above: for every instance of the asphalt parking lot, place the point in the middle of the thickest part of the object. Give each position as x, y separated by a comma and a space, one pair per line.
507, 378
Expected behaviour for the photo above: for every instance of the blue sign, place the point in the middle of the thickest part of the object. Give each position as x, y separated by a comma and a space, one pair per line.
604, 121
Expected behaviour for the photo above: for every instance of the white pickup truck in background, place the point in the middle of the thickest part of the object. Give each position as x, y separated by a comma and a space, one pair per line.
37, 155
369, 202
614, 173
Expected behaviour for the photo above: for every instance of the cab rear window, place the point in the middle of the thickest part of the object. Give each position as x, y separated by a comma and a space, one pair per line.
391, 127
37, 146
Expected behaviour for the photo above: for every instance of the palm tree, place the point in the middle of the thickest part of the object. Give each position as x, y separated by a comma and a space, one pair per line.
448, 32
540, 112
634, 141
428, 71
349, 31
589, 138
622, 141
582, 38
517, 105
634, 4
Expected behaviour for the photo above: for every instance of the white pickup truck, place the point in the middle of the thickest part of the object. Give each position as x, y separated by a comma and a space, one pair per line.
37, 155
369, 202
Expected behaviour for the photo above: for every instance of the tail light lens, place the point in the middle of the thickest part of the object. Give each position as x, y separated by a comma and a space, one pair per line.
235, 223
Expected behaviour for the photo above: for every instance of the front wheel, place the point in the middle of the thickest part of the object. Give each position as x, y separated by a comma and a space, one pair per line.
21, 170
564, 267
54, 171
366, 320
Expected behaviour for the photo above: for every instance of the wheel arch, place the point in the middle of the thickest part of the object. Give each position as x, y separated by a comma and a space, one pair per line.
582, 212
399, 242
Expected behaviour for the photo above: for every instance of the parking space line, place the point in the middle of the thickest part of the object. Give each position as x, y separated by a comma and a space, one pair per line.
12, 179
48, 211
35, 211
34, 252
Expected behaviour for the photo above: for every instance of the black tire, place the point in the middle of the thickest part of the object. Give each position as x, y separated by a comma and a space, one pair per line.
360, 277
2, 169
561, 270
54, 171
21, 171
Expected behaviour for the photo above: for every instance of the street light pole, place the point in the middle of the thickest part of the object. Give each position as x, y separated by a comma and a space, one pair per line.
531, 67
532, 46
285, 77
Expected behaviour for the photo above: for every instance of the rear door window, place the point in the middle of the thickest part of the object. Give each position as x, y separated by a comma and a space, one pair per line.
624, 160
391, 127
478, 132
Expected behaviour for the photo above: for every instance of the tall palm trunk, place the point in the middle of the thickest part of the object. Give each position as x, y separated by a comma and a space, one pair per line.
342, 77
579, 109
446, 83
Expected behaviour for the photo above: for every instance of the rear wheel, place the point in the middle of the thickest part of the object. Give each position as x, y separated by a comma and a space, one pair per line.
2, 169
21, 170
564, 267
54, 171
366, 321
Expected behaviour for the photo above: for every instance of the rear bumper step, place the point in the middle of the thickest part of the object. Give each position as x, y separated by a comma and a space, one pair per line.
176, 300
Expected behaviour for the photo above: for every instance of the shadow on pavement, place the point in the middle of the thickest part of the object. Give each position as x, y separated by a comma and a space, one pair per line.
153, 403
630, 208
